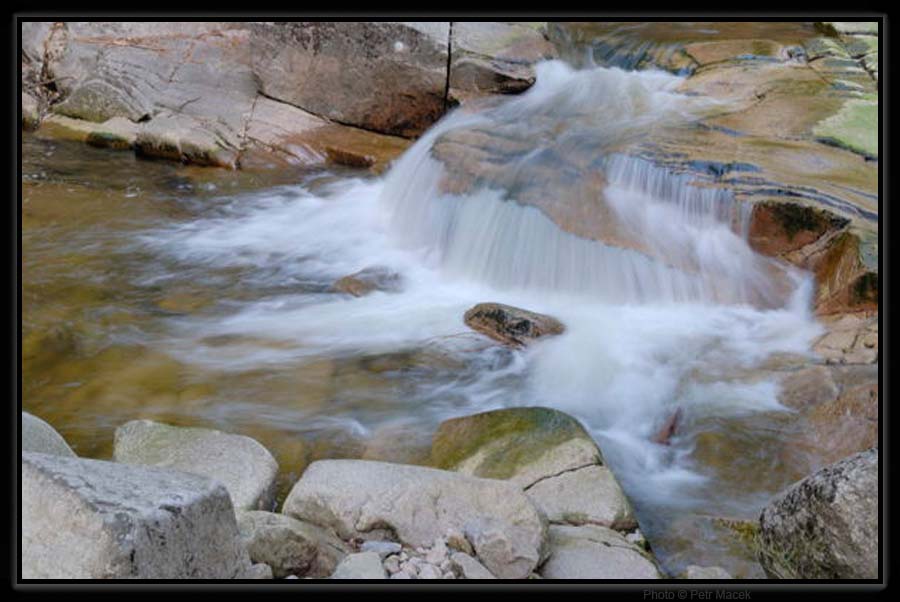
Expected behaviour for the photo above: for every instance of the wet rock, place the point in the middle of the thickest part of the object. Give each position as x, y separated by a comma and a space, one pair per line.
385, 77
367, 280
592, 552
89, 519
777, 228
116, 133
494, 57
365, 565
836, 428
245, 467
183, 138
669, 428
825, 526
850, 339
706, 573
854, 126
523, 445
807, 387
290, 546
415, 505
38, 436
588, 495
511, 325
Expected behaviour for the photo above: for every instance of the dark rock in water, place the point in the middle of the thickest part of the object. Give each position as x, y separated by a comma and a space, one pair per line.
664, 435
511, 325
825, 526
367, 280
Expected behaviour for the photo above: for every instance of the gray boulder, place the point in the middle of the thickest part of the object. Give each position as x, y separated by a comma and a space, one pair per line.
290, 546
825, 526
415, 505
592, 552
245, 467
38, 436
89, 519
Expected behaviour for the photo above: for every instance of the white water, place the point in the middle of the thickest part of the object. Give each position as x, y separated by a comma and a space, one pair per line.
640, 324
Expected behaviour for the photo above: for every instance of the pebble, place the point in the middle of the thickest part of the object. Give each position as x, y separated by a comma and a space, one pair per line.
402, 575
382, 548
392, 564
429, 571
437, 554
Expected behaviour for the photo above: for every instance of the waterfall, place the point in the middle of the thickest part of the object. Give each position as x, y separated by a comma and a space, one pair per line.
660, 237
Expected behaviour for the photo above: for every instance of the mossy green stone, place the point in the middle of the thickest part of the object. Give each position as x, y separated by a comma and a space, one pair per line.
506, 440
854, 126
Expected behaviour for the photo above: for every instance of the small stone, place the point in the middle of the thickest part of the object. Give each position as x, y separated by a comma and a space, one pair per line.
364, 565
469, 568
392, 564
382, 548
448, 575
402, 575
438, 553
429, 571
292, 577
456, 540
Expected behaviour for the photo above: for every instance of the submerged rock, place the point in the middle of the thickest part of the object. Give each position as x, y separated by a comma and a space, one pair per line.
89, 519
825, 526
415, 505
511, 325
245, 467
592, 552
290, 546
369, 279
39, 436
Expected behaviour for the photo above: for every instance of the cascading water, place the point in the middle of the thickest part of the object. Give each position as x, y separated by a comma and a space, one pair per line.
652, 274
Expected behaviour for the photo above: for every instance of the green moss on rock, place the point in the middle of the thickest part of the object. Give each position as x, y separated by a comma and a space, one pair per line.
854, 126
502, 443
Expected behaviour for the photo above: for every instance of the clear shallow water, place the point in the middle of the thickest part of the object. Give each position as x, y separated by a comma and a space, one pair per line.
202, 297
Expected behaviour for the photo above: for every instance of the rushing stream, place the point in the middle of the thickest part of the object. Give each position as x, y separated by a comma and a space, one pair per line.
203, 297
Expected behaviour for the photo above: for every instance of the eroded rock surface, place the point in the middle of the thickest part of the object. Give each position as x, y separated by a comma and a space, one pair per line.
825, 526
511, 325
89, 519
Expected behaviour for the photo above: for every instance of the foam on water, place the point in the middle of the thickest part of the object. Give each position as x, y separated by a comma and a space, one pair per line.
640, 324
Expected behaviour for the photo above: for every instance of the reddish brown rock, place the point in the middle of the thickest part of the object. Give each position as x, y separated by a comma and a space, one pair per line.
511, 325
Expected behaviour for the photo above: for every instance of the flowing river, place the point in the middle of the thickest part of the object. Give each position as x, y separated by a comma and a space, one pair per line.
203, 297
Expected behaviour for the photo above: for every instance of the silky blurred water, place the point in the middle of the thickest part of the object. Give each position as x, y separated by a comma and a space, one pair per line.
203, 297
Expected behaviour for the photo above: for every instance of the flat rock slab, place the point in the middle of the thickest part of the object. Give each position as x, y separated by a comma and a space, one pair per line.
591, 552
290, 546
245, 467
89, 519
416, 505
38, 436
826, 525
